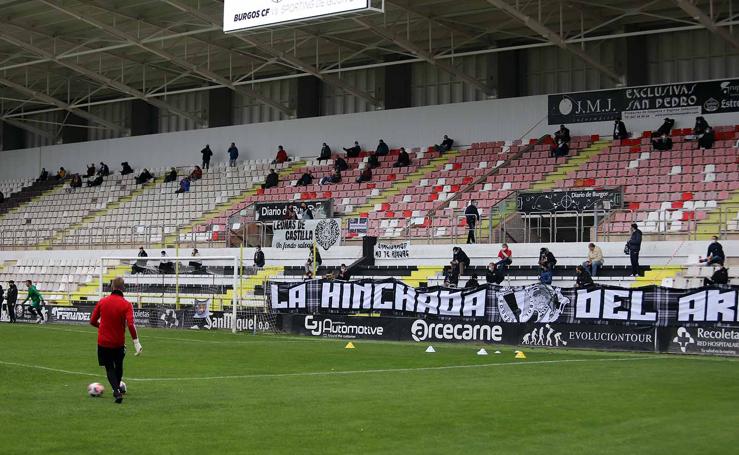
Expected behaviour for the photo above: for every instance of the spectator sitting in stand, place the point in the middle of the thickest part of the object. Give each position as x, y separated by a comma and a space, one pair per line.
354, 151
140, 265
61, 174
494, 274
706, 140
472, 282
584, 280
196, 174
171, 176
43, 176
451, 278
281, 156
365, 176
195, 262
233, 155
403, 159
290, 213
719, 277
207, 153
340, 164
144, 177
184, 186
562, 135
382, 149
259, 257
445, 145
701, 125
305, 180
461, 257
715, 253
96, 182
595, 260
331, 179
547, 262
126, 168
619, 130
505, 257
76, 181
325, 153
165, 267
344, 274
664, 143
665, 129
560, 149
103, 170
272, 180
90, 170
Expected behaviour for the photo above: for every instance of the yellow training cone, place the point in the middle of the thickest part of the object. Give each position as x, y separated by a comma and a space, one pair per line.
349, 345
520, 355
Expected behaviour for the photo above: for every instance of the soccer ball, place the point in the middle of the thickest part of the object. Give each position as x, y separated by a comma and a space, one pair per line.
123, 387
95, 389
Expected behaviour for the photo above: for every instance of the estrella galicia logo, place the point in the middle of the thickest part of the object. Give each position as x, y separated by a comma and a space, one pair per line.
683, 338
711, 105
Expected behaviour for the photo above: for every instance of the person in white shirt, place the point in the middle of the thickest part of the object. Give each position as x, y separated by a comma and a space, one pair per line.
595, 259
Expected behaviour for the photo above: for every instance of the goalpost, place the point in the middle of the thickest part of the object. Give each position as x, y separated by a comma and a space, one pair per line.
193, 292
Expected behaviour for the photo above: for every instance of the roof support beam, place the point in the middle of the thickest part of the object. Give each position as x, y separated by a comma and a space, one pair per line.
557, 40
426, 56
62, 105
697, 14
291, 59
210, 75
121, 87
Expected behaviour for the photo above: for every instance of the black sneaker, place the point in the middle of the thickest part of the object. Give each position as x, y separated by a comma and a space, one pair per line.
118, 396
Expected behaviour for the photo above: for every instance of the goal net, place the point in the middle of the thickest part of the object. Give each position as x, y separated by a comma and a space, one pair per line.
191, 292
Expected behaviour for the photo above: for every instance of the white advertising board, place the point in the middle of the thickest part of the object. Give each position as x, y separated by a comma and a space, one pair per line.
248, 14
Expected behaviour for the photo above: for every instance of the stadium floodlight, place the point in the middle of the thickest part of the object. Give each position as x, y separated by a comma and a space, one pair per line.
196, 291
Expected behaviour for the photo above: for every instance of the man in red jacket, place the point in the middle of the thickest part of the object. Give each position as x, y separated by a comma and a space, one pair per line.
111, 316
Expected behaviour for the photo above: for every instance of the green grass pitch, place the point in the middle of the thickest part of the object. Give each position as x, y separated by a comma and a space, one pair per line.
214, 392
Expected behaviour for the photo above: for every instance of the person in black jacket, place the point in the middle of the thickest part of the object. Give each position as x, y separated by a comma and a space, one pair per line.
325, 153
403, 159
663, 142
562, 135
90, 170
461, 257
715, 253
340, 164
451, 279
272, 180
382, 149
259, 257
701, 126
547, 263
619, 130
344, 273
354, 151
104, 170
472, 216
44, 175
560, 149
472, 282
126, 168
76, 181
144, 177
171, 176
11, 299
445, 145
97, 182
706, 140
305, 180
666, 128
584, 280
207, 153
494, 274
719, 277
365, 176
634, 246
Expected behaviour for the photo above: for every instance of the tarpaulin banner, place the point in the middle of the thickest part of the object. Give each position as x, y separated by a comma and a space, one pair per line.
568, 200
645, 102
302, 234
536, 303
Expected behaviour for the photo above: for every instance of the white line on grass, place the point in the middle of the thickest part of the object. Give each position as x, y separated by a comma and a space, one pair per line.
347, 372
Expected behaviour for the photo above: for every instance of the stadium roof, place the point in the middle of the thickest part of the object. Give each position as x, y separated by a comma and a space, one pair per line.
70, 54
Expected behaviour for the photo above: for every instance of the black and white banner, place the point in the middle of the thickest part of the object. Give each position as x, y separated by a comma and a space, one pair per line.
645, 102
301, 234
538, 303
568, 200
399, 251
273, 211
691, 339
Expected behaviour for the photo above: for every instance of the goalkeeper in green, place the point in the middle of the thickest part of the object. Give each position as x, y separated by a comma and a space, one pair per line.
36, 300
